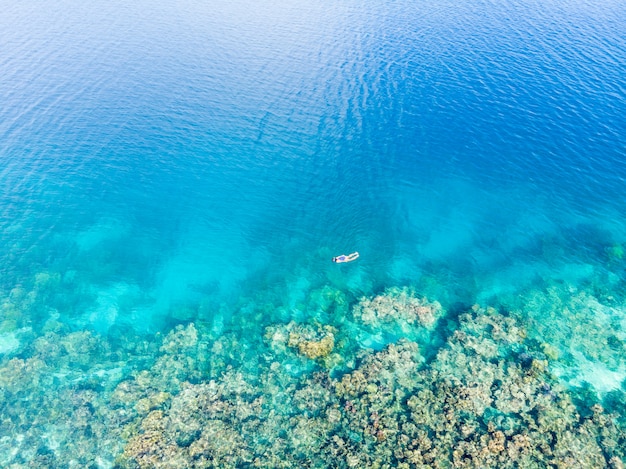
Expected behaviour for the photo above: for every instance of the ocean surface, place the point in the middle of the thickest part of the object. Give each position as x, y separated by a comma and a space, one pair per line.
164, 164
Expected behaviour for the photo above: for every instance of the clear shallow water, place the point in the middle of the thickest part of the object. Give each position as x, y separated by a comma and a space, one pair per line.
178, 163
188, 149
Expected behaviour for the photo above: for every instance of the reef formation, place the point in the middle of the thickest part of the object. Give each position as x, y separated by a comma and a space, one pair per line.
307, 394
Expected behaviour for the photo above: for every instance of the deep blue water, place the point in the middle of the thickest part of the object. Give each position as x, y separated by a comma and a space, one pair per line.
166, 162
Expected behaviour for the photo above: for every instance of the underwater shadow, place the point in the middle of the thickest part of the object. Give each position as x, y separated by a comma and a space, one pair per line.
444, 329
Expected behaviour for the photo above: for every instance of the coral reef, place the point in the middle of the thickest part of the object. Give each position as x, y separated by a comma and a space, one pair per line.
486, 400
52, 405
310, 341
313, 345
305, 394
400, 306
586, 333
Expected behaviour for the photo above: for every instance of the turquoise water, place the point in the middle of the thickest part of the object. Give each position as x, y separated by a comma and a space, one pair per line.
185, 163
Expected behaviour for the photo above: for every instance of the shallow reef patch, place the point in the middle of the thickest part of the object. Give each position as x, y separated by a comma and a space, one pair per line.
307, 394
